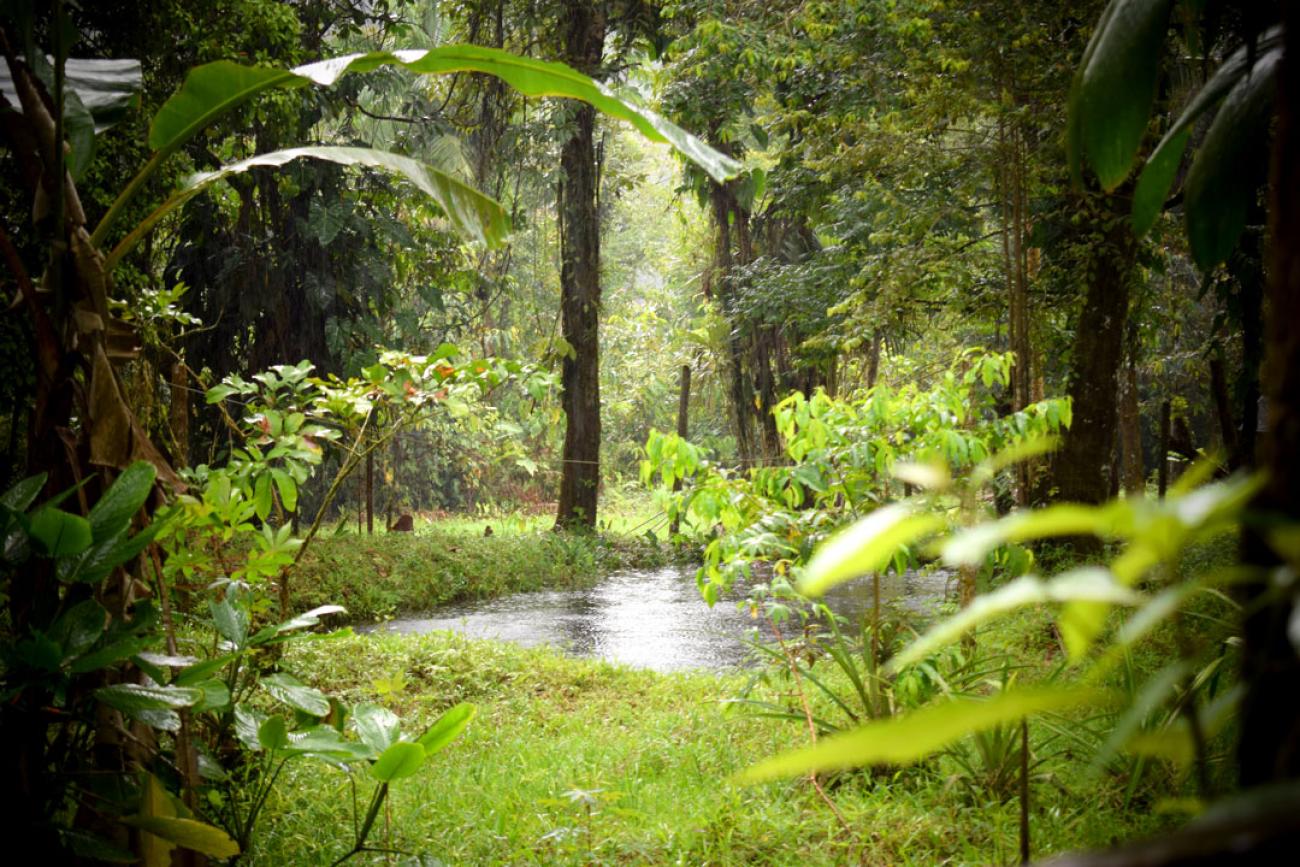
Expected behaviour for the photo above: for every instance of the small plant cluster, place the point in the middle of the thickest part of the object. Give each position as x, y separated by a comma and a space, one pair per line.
839, 462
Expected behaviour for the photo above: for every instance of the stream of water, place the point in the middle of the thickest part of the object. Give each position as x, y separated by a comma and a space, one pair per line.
650, 618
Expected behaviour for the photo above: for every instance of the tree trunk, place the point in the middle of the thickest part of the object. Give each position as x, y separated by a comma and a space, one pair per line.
1252, 358
1223, 410
738, 387
370, 493
1162, 459
873, 360
683, 420
1130, 421
179, 416
765, 385
1010, 181
1083, 465
580, 282
1269, 747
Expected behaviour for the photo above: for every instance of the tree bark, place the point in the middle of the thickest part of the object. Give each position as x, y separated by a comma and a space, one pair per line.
1083, 465
1269, 746
1223, 410
370, 493
1131, 428
765, 386
1009, 176
580, 282
1162, 459
179, 416
1252, 359
739, 391
873, 360
683, 422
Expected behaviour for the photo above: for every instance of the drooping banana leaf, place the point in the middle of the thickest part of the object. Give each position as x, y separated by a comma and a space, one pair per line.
108, 89
473, 213
213, 89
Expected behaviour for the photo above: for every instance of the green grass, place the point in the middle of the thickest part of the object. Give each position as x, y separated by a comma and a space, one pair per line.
654, 754
392, 573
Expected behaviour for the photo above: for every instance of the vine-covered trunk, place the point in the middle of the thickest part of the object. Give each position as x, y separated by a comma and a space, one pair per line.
1083, 467
739, 391
580, 283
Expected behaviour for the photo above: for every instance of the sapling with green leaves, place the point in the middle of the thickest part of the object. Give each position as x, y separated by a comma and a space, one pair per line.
1102, 612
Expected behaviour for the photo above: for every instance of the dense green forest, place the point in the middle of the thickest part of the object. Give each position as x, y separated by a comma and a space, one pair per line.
329, 315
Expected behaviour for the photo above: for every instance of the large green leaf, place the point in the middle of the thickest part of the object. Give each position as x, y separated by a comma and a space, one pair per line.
110, 653
78, 628
1155, 181
447, 728
301, 621
94, 564
378, 727
23, 493
188, 834
866, 546
296, 694
107, 89
79, 130
230, 620
273, 733
472, 213
906, 739
216, 695
201, 671
131, 697
402, 759
1231, 165
1116, 86
324, 741
215, 88
60, 533
115, 509
1090, 584
248, 723
1162, 166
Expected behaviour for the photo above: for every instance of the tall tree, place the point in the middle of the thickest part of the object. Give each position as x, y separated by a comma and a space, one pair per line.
584, 46
1083, 467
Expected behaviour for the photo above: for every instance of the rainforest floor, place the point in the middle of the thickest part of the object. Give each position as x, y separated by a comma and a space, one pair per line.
574, 761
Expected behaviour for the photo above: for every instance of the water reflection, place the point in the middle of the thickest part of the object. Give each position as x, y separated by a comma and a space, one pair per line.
649, 618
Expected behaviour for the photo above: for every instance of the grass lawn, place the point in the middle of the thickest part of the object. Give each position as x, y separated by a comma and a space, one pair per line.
581, 762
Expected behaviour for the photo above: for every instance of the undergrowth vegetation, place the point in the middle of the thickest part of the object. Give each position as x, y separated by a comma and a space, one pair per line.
577, 761
392, 573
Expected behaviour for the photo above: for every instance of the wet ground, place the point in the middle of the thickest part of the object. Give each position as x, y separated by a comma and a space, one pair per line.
651, 618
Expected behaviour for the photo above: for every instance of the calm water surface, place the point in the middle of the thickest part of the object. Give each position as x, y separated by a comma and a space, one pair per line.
649, 618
